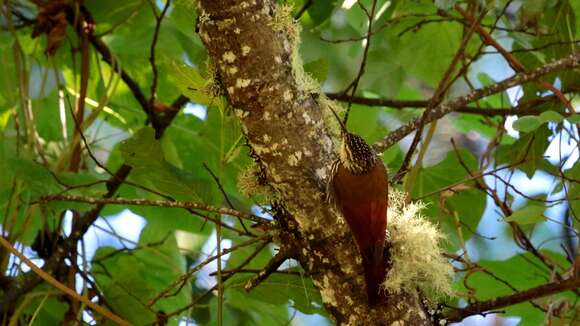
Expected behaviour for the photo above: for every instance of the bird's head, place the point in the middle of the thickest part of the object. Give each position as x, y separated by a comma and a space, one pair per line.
355, 154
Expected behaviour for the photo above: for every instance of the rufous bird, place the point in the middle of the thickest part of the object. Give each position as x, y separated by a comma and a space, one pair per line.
359, 189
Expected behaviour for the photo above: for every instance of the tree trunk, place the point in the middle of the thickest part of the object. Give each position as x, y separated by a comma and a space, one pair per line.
251, 46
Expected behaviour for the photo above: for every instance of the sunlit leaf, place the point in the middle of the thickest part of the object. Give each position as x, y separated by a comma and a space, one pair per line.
551, 116
528, 215
192, 84
527, 123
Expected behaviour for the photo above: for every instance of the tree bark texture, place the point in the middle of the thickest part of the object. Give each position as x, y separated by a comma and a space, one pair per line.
284, 124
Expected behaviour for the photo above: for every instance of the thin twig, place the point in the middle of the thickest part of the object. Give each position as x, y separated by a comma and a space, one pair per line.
219, 278
256, 271
354, 85
270, 268
224, 194
109, 58
80, 133
520, 237
302, 10
158, 20
181, 281
536, 49
225, 278
159, 203
85, 30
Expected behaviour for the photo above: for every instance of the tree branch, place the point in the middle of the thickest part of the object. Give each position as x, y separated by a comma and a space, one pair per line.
159, 203
570, 62
512, 299
158, 20
522, 109
270, 268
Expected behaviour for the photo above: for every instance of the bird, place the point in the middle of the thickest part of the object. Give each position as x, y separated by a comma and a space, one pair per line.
359, 189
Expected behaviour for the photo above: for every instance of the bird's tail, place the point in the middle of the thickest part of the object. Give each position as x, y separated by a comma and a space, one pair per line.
375, 268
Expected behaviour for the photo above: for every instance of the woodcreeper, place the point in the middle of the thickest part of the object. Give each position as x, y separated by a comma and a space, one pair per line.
359, 189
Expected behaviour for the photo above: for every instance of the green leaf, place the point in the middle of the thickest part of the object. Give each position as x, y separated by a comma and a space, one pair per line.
142, 149
467, 202
47, 308
445, 4
127, 280
575, 118
277, 289
144, 154
358, 122
319, 11
48, 124
8, 81
79, 182
170, 151
574, 190
473, 123
239, 309
445, 173
551, 116
108, 13
37, 177
213, 141
318, 69
435, 43
192, 84
5, 117
527, 153
531, 214
469, 205
201, 312
527, 123
120, 278
530, 273
22, 182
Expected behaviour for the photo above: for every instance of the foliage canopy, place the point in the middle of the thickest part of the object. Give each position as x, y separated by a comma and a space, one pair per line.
128, 104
